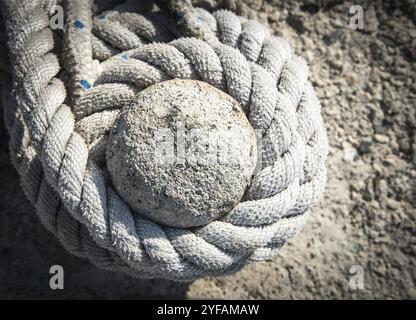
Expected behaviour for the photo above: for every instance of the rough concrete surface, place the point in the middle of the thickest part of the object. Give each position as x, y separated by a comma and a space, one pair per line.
182, 154
366, 218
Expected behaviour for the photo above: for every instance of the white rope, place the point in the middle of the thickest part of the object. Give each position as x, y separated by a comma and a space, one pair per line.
58, 155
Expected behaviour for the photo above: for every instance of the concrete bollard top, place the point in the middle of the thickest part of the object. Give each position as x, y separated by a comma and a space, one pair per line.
182, 154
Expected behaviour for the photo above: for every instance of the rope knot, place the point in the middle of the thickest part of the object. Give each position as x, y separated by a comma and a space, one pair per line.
132, 84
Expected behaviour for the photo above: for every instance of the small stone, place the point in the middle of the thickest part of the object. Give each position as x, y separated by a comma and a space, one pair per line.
392, 204
411, 293
297, 22
333, 37
405, 145
274, 17
381, 187
380, 128
381, 138
380, 268
371, 22
349, 154
182, 154
365, 145
351, 79
367, 196
389, 160
377, 168
357, 185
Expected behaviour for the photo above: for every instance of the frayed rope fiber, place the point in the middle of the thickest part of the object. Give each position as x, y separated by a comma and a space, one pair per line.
71, 91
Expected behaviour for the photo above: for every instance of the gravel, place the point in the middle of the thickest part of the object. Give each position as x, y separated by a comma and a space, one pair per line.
365, 80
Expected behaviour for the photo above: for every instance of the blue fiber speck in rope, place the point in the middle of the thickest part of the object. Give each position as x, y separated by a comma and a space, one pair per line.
79, 25
85, 84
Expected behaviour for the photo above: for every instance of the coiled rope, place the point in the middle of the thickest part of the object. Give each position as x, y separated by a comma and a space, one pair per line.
62, 106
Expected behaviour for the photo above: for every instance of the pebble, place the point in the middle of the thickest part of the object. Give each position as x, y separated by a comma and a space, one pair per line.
405, 145
392, 204
350, 154
365, 145
381, 138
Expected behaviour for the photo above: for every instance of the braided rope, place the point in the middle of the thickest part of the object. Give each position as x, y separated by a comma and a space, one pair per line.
58, 149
